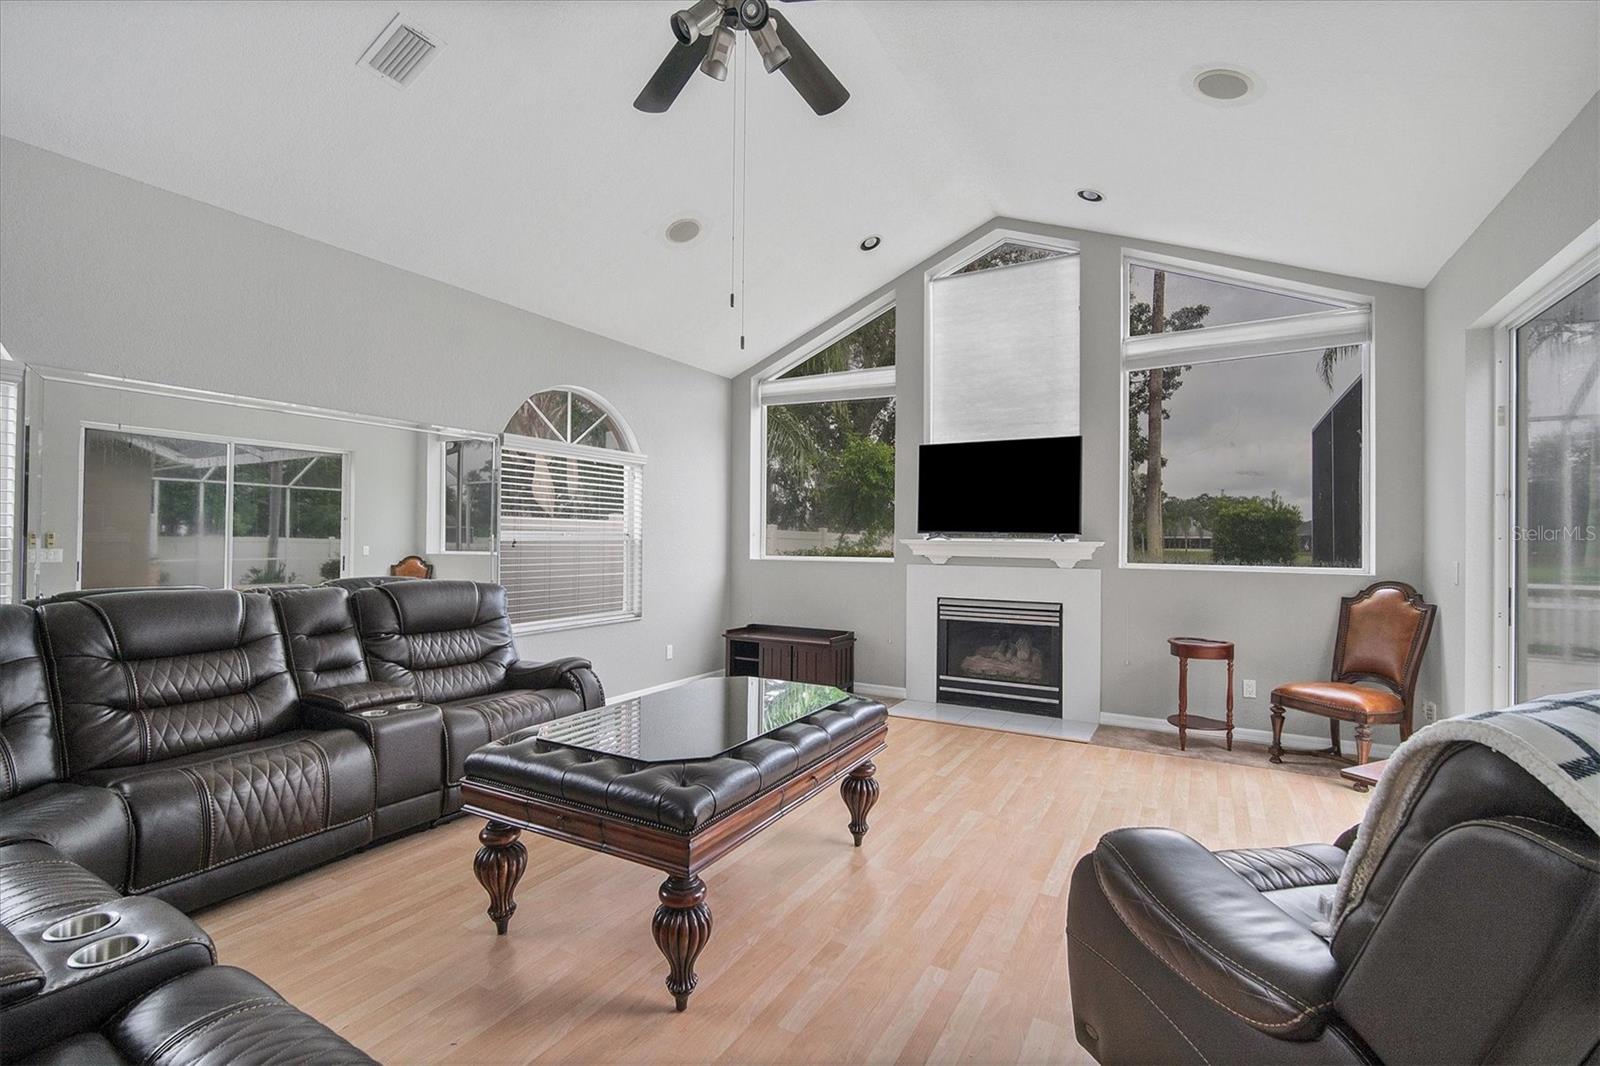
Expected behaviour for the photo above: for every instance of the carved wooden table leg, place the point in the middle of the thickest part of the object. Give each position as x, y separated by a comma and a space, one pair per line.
860, 792
499, 865
1275, 753
682, 926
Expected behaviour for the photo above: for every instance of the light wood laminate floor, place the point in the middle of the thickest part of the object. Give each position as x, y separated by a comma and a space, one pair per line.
939, 940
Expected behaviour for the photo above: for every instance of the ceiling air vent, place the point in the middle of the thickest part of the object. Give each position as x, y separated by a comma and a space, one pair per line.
400, 52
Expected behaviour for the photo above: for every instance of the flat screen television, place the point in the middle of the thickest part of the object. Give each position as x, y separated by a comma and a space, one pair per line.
1001, 487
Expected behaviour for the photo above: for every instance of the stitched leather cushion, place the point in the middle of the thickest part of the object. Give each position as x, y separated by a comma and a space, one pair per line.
30, 753
39, 884
202, 810
85, 1049
1216, 932
324, 649
446, 640
681, 796
145, 676
88, 825
1379, 634
222, 1016
1353, 699
1271, 869
471, 723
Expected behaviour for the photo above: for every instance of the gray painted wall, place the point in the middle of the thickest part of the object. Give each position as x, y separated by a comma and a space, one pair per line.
1283, 624
101, 273
1556, 200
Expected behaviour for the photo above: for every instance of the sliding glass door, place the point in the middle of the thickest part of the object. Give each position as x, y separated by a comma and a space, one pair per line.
1556, 487
162, 509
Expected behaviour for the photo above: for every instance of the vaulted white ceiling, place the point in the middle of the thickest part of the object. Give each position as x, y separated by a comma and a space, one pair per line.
515, 167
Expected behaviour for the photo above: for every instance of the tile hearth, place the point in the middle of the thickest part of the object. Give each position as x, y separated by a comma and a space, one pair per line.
1005, 721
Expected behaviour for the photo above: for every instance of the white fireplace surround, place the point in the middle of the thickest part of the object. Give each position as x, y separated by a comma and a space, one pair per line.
1078, 592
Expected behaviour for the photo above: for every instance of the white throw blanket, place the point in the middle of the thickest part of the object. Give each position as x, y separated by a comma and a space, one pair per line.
1555, 738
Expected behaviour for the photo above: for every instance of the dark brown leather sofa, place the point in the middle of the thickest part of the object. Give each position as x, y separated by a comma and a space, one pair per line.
1473, 942
193, 744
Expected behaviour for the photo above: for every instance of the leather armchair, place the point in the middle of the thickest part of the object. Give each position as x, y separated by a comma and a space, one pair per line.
1473, 942
450, 643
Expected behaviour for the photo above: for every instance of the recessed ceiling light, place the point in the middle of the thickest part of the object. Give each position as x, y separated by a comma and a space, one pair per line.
869, 243
1223, 85
683, 230
1091, 195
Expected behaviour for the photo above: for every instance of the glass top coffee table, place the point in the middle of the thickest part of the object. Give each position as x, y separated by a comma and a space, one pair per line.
700, 720
674, 780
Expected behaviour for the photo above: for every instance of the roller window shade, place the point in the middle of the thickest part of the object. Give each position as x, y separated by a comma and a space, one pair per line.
571, 537
1003, 352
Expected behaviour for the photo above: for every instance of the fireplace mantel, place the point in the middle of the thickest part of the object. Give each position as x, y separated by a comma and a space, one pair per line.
1064, 553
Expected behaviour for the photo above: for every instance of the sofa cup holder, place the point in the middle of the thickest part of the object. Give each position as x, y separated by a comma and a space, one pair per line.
376, 712
109, 950
412, 705
81, 925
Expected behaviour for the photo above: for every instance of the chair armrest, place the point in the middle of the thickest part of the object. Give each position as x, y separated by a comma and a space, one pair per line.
356, 696
1217, 932
572, 673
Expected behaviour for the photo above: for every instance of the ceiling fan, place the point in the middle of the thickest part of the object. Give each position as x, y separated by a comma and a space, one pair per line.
705, 32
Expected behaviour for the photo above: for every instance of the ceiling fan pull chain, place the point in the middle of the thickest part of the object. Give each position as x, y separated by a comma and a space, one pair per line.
744, 184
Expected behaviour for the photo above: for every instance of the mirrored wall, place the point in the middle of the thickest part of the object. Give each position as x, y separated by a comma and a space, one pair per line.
133, 484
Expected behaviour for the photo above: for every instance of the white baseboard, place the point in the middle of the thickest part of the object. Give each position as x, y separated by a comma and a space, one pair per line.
1291, 741
661, 687
882, 691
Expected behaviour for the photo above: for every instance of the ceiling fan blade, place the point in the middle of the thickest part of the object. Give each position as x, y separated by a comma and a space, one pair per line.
671, 76
809, 75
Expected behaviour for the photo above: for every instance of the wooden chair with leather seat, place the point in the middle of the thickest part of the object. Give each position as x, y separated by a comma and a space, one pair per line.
1383, 632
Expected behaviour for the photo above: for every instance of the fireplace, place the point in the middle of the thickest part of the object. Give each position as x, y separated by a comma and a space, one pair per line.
1003, 654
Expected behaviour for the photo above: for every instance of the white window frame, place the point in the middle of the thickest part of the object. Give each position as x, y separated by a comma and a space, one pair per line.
11, 486
632, 457
767, 390
435, 496
346, 487
1579, 262
1351, 322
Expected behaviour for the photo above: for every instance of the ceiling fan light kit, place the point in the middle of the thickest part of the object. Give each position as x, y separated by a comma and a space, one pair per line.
699, 19
705, 33
720, 55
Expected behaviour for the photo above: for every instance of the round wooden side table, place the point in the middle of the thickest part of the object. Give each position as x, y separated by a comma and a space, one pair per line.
1186, 648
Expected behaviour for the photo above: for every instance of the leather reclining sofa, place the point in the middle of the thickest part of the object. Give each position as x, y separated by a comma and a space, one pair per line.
1473, 942
189, 745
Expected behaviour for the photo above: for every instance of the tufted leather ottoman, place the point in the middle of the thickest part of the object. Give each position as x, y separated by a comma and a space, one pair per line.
673, 780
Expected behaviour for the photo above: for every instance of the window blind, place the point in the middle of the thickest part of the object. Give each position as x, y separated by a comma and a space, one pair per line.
1003, 352
571, 536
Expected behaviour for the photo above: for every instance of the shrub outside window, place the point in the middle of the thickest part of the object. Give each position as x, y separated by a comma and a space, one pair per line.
828, 462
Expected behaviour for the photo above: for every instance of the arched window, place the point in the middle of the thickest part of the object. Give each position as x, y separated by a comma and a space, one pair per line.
571, 530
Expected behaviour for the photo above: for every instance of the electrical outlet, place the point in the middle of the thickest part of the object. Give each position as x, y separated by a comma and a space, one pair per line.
1249, 688
366, 549
1430, 711
669, 651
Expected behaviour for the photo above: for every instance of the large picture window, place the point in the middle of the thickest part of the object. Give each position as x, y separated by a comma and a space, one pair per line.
164, 509
827, 438
1246, 422
571, 514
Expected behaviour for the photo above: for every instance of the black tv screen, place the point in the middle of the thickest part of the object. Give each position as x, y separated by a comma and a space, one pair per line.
1010, 487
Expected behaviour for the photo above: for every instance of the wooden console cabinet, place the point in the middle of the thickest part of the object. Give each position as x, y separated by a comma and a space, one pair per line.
793, 653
